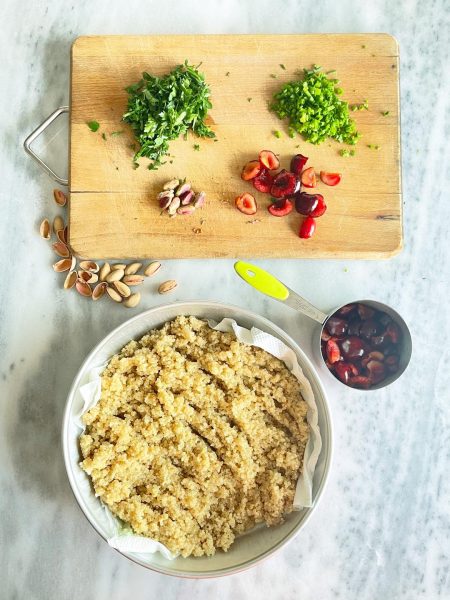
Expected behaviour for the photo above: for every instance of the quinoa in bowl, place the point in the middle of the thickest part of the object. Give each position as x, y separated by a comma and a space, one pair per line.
196, 438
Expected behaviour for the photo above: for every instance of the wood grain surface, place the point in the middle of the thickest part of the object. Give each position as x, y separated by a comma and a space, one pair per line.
113, 208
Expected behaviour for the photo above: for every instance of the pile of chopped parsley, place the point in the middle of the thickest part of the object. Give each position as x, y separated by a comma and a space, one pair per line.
314, 109
160, 109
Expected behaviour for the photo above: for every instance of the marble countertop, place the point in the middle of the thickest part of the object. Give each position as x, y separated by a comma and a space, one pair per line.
382, 530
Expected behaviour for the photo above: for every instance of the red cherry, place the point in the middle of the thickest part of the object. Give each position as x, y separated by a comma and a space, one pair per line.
320, 208
359, 381
297, 163
307, 228
336, 327
353, 347
330, 178
305, 203
280, 208
333, 352
263, 181
343, 371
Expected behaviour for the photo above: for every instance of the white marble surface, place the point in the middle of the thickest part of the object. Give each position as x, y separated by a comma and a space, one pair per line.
383, 528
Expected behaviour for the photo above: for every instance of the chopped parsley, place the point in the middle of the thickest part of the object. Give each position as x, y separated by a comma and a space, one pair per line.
160, 109
363, 106
345, 152
114, 133
277, 134
227, 74
373, 146
282, 66
313, 108
104, 136
385, 113
273, 75
196, 147
249, 99
93, 125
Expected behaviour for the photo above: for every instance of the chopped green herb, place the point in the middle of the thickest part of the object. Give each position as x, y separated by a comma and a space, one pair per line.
385, 113
330, 72
114, 133
215, 140
345, 269
363, 106
282, 66
93, 125
277, 134
135, 165
197, 147
373, 146
104, 136
160, 109
249, 99
346, 152
273, 75
314, 110
227, 74
363, 45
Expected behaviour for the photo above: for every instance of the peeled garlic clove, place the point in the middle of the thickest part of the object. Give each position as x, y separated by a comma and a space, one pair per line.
45, 230
132, 300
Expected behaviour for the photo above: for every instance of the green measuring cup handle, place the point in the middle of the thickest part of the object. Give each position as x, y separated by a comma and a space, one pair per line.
261, 280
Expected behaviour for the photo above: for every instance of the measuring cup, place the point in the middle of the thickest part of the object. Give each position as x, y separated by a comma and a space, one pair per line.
269, 285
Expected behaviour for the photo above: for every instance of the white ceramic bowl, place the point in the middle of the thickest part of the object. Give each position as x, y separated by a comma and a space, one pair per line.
262, 541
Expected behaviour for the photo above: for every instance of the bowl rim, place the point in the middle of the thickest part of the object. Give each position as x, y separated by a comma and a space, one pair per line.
327, 458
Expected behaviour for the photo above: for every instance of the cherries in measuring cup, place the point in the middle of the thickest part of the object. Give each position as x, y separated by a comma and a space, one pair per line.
361, 345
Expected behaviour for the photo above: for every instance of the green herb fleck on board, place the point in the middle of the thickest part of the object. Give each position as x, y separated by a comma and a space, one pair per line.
227, 74
93, 125
277, 133
385, 113
104, 136
363, 106
373, 146
249, 99
282, 66
346, 152
197, 147
114, 133
273, 75
345, 269
363, 45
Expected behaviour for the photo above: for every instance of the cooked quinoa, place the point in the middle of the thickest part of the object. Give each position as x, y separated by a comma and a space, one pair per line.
196, 437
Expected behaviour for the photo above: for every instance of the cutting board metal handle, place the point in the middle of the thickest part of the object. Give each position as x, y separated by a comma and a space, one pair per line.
35, 134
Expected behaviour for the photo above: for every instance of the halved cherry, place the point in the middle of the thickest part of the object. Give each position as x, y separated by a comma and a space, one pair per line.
308, 177
333, 352
285, 184
280, 208
251, 170
305, 203
269, 160
263, 182
298, 161
307, 228
246, 203
330, 178
320, 208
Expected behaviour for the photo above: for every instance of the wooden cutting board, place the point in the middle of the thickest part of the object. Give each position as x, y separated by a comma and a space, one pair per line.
113, 208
